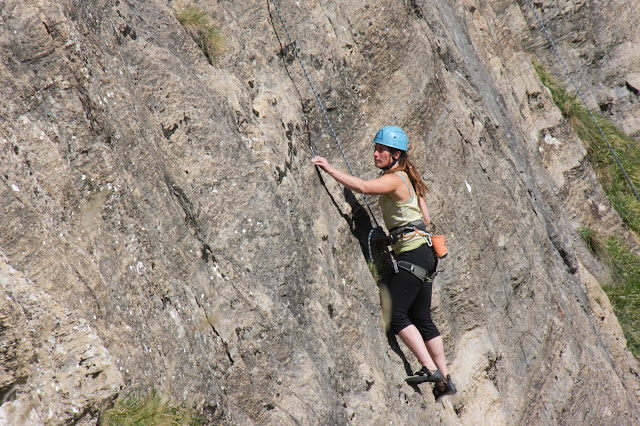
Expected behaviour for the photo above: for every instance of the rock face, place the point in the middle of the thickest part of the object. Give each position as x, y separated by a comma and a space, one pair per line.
162, 225
598, 43
54, 367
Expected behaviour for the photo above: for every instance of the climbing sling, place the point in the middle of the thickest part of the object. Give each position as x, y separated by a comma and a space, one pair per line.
415, 226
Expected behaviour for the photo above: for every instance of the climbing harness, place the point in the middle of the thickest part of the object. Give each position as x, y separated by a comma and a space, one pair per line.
582, 98
418, 271
417, 227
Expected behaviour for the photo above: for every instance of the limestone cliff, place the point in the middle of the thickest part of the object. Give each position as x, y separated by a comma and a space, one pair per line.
162, 225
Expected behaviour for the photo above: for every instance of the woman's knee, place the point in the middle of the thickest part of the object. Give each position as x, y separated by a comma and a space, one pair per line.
399, 320
428, 331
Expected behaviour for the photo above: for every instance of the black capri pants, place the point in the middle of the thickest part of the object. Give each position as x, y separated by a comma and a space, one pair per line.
411, 298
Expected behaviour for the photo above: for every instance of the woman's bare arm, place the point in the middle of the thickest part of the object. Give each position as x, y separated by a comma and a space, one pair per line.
425, 212
385, 184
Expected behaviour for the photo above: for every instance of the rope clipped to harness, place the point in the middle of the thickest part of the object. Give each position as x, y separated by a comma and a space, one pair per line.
376, 230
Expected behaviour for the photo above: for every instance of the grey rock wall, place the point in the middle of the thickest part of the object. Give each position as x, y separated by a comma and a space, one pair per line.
169, 207
55, 368
599, 45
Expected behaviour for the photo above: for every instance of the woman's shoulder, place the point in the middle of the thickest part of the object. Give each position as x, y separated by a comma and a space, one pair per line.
402, 175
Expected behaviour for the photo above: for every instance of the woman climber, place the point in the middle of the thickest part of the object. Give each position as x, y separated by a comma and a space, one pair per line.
401, 198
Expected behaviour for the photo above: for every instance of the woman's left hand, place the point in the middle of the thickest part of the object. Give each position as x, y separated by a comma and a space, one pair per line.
321, 162
382, 185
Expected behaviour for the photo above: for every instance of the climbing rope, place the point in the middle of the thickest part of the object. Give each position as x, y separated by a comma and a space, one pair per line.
377, 230
320, 104
584, 101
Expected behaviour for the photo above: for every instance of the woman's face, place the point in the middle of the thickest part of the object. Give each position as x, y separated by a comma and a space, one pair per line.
382, 156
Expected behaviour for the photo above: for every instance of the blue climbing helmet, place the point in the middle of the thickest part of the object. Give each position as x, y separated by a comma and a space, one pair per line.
393, 137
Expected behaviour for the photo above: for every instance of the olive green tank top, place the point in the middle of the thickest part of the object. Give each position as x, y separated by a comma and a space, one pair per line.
398, 213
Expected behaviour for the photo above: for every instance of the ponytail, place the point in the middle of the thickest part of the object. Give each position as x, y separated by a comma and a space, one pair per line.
405, 165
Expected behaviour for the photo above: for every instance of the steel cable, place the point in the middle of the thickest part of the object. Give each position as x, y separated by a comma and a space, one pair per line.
584, 101
320, 104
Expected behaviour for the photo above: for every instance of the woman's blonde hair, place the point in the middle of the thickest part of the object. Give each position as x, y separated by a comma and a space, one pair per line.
405, 165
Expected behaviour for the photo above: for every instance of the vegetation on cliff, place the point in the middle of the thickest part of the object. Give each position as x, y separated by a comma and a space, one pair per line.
152, 409
199, 25
627, 149
624, 292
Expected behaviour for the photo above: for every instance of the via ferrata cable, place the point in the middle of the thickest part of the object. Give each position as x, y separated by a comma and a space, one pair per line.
584, 101
320, 104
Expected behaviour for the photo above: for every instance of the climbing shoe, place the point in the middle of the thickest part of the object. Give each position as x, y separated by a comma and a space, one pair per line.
443, 388
425, 375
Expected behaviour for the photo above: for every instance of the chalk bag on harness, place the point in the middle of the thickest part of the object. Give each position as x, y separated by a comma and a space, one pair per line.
439, 248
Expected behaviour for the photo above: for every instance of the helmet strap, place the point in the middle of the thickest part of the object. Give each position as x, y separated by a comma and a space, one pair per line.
393, 163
